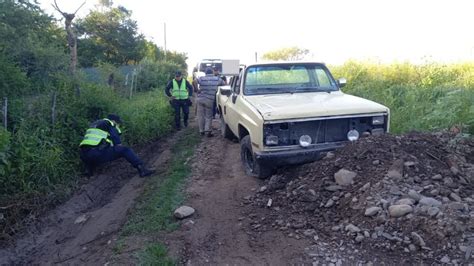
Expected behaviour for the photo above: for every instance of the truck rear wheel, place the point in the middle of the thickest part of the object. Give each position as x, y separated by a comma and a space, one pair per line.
251, 165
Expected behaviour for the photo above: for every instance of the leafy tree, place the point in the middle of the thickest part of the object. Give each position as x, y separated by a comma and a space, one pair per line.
31, 42
288, 53
109, 36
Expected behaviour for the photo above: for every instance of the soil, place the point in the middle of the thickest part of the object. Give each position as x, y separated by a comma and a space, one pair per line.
288, 219
217, 234
80, 230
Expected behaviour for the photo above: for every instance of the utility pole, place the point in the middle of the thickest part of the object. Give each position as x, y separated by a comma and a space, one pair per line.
165, 41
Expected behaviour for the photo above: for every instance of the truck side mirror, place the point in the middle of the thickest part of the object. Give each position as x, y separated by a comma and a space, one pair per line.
225, 91
341, 82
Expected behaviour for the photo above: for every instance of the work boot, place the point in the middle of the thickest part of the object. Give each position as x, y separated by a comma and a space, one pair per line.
143, 171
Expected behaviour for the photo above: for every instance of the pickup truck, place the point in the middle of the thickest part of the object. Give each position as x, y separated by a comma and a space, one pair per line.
289, 112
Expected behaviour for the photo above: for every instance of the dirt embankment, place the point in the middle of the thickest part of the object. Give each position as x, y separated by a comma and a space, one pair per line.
83, 229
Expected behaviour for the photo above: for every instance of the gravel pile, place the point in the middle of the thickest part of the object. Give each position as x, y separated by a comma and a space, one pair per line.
406, 198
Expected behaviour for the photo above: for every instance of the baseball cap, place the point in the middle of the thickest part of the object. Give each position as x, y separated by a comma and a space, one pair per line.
115, 118
177, 74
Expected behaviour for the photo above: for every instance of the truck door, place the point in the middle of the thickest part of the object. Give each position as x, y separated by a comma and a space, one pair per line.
231, 105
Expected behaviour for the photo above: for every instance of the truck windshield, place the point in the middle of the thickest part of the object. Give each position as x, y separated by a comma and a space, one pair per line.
288, 78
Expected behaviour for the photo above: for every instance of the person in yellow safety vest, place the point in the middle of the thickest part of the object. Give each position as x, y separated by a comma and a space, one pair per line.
179, 91
102, 144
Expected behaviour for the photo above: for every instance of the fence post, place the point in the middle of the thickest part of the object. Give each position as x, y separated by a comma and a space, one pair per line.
53, 109
5, 112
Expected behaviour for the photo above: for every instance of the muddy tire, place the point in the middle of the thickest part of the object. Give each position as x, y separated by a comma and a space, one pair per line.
251, 166
225, 130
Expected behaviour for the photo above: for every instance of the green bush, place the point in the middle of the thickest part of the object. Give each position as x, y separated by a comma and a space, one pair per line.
420, 97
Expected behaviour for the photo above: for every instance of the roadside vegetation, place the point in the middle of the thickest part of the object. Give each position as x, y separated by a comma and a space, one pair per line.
43, 117
424, 97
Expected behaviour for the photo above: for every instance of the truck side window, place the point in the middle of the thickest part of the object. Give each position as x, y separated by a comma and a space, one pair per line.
236, 85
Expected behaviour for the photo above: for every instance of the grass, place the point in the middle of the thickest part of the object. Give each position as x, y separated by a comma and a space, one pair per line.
163, 194
155, 254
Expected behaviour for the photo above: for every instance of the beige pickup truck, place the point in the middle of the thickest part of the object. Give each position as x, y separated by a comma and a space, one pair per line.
289, 112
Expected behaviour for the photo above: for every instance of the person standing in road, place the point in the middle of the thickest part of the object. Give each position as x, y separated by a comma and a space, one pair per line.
102, 144
205, 99
179, 90
217, 74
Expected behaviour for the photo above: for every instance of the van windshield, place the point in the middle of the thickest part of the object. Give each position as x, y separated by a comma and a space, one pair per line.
203, 66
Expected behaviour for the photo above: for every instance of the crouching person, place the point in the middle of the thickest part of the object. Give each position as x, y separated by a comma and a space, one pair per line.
102, 144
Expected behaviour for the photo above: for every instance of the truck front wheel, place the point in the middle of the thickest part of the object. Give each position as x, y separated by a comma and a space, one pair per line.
225, 130
252, 166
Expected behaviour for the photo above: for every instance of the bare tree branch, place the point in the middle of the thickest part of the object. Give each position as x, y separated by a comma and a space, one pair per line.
79, 7
55, 6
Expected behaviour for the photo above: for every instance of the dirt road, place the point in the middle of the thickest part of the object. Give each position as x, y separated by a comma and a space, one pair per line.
217, 234
81, 230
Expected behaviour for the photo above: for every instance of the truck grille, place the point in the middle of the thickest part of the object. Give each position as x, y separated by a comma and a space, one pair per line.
320, 131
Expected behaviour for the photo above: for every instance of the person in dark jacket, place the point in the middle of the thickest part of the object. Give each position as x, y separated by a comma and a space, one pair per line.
102, 144
179, 90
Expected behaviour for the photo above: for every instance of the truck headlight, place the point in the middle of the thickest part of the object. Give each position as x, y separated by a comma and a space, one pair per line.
353, 135
378, 120
305, 141
271, 140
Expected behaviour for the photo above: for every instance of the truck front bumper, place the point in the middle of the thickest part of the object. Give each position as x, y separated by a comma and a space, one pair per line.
295, 155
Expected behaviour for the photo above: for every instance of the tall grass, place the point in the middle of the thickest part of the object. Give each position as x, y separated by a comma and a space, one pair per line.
39, 161
420, 97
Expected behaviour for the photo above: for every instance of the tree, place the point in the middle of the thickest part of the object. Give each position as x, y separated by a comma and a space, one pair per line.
31, 46
111, 36
287, 54
71, 36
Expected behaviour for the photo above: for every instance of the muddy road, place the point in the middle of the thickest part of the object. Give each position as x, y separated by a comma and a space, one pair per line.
217, 234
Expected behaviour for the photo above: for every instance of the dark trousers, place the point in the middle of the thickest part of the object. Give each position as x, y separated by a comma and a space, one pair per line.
179, 105
93, 157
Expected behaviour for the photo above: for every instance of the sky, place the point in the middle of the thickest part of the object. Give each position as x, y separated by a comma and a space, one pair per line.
333, 30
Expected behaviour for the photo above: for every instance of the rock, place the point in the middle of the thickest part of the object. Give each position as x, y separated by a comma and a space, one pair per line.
445, 259
455, 197
405, 201
81, 219
329, 204
333, 188
400, 210
372, 211
437, 177
312, 192
309, 232
433, 211
344, 177
396, 170
366, 234
183, 212
336, 228
409, 164
454, 170
414, 195
269, 203
456, 206
376, 162
262, 189
431, 202
417, 239
352, 228
359, 238
384, 203
329, 155
412, 247
365, 187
